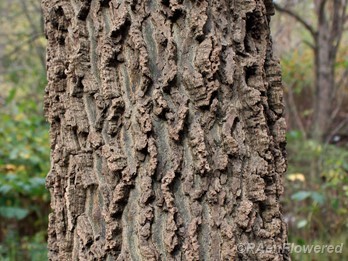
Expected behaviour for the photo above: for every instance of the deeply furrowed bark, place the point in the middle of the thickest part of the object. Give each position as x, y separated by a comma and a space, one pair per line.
167, 130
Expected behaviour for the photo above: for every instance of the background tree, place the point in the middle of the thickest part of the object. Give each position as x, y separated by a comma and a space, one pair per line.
331, 18
167, 130
316, 199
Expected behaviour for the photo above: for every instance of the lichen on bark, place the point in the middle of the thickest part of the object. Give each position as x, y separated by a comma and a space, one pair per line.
167, 130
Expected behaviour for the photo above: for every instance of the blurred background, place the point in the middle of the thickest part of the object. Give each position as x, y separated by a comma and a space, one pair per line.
24, 140
311, 43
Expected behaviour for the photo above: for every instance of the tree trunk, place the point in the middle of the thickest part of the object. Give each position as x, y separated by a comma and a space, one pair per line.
325, 57
167, 130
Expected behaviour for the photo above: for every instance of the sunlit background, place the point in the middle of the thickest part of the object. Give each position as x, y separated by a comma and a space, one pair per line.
316, 195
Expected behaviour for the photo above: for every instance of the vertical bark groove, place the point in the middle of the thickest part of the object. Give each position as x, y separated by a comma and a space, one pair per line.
167, 130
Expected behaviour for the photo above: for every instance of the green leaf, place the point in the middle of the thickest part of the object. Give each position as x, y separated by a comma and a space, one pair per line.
301, 195
4, 189
318, 198
13, 212
294, 134
345, 166
11, 95
302, 223
335, 203
37, 182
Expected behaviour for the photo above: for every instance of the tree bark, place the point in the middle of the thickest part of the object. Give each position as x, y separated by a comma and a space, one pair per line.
167, 130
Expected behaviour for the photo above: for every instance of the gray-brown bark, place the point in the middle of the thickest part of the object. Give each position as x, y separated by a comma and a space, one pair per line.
167, 130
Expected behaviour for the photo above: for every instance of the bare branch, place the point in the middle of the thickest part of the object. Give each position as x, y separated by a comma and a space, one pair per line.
309, 44
336, 129
343, 77
321, 8
297, 17
338, 22
28, 16
17, 48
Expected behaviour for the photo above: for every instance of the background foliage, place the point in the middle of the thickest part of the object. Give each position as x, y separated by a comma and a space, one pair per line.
316, 184
316, 198
24, 143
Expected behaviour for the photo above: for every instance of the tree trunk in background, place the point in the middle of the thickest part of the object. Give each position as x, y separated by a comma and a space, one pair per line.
325, 54
331, 18
324, 61
167, 130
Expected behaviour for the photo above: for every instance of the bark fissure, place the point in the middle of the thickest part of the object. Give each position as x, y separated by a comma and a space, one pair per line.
167, 130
